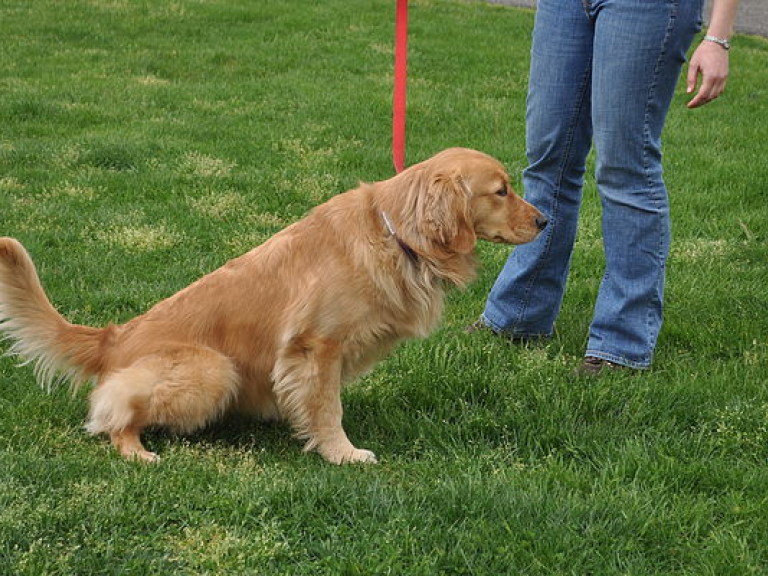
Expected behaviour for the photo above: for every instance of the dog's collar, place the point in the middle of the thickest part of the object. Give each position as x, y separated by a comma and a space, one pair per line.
410, 252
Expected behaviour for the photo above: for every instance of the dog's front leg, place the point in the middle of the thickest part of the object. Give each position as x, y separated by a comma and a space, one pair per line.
308, 387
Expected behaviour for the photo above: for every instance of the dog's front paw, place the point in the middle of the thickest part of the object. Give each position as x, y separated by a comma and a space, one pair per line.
365, 456
142, 456
348, 455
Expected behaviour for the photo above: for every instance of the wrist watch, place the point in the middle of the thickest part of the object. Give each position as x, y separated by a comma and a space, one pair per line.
722, 42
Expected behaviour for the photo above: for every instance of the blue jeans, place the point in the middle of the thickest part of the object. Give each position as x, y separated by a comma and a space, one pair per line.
603, 72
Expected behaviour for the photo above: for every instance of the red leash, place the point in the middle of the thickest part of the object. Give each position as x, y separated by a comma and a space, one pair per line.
398, 100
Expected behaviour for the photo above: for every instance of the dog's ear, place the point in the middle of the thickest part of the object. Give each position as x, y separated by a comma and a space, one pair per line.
443, 215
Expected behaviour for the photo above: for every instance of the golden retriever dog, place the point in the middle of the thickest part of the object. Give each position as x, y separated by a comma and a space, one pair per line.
278, 331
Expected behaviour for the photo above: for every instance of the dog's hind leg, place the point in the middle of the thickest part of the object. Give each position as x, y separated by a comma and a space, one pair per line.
308, 388
182, 388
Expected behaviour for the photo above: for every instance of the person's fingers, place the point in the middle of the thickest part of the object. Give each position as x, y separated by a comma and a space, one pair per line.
693, 75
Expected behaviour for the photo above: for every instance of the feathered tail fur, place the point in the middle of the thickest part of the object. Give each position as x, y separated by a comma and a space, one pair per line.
39, 334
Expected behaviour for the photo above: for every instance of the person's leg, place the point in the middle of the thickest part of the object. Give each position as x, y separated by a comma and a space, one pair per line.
526, 297
640, 47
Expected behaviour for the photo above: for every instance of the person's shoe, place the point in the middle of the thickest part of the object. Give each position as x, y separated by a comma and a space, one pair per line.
476, 326
480, 326
592, 366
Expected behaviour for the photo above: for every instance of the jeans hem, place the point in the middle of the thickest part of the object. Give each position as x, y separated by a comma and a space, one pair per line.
513, 333
618, 359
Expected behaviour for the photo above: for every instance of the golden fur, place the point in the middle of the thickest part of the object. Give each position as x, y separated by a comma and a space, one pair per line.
277, 331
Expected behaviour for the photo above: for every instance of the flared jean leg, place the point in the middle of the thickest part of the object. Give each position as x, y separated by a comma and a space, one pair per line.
633, 84
526, 297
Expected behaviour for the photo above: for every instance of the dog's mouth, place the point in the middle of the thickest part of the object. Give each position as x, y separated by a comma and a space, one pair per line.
499, 236
515, 238
496, 237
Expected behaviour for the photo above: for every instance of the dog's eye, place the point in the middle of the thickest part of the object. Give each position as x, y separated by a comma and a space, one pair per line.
501, 192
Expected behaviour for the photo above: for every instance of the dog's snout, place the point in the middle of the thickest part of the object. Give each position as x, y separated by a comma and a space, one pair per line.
541, 222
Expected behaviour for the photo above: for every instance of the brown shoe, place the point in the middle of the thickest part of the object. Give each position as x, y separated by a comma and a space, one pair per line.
593, 366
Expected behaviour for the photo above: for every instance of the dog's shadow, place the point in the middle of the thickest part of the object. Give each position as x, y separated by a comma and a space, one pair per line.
242, 434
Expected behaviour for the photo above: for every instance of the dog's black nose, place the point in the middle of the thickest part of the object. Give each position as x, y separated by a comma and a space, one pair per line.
541, 222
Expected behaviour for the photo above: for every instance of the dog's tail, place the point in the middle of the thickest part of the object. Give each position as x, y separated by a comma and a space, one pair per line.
39, 334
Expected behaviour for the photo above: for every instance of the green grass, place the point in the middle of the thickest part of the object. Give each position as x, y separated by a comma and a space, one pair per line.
143, 144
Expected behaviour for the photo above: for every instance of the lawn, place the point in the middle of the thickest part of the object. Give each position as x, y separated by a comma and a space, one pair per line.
143, 144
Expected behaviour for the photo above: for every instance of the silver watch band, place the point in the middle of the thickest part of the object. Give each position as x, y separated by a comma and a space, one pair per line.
722, 42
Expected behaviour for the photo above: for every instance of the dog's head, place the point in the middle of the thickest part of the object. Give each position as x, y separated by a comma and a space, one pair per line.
460, 195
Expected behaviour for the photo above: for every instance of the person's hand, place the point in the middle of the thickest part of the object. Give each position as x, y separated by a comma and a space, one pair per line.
710, 62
